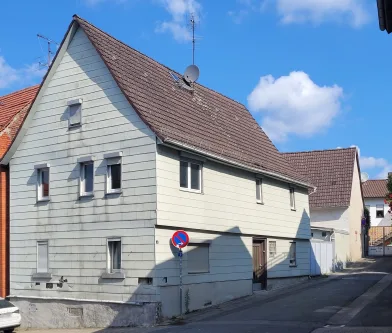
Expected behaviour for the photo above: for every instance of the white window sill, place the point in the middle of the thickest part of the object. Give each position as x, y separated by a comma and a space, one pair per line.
43, 199
114, 192
260, 202
190, 190
86, 195
194, 273
113, 275
74, 126
293, 210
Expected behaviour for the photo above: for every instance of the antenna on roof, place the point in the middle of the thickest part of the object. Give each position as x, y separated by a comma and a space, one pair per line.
193, 22
364, 177
192, 72
49, 41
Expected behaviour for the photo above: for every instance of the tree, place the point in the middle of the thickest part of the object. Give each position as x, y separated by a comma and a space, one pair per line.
367, 217
388, 199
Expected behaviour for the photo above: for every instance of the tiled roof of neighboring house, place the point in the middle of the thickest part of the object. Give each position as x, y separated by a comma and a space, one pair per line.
331, 171
202, 120
376, 188
13, 109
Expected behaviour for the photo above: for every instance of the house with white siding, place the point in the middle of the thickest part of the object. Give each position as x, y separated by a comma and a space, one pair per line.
375, 192
118, 152
337, 204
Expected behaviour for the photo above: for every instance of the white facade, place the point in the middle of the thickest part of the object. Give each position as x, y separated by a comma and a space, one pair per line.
374, 205
151, 205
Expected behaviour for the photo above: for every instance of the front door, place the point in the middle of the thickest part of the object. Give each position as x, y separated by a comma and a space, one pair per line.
259, 263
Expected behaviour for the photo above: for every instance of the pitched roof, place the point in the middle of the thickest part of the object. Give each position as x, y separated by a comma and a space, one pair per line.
202, 120
13, 109
376, 188
331, 171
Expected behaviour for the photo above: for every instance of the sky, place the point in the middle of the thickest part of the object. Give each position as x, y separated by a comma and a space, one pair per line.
313, 73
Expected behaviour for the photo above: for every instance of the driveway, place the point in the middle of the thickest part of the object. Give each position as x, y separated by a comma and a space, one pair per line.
360, 300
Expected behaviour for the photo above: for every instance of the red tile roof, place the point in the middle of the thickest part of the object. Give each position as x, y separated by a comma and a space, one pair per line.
202, 120
375, 188
13, 109
331, 171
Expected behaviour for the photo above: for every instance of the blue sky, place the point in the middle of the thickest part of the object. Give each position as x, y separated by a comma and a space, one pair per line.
313, 73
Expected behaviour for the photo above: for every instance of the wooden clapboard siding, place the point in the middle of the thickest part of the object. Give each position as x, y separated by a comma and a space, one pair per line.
229, 200
77, 229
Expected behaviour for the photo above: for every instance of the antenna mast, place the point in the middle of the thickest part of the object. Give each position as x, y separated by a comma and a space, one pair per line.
49, 41
193, 37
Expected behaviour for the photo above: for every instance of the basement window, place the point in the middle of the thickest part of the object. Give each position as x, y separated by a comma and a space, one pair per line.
114, 255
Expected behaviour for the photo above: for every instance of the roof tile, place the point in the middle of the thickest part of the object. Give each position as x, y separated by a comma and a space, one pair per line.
376, 188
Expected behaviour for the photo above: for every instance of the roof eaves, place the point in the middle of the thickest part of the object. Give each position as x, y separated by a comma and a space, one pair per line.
171, 143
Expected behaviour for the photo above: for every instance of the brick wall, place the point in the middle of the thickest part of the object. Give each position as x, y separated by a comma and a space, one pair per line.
4, 233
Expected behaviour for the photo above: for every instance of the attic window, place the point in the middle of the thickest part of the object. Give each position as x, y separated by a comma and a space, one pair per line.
75, 113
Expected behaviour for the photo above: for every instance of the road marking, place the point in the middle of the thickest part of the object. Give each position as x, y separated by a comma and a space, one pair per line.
346, 314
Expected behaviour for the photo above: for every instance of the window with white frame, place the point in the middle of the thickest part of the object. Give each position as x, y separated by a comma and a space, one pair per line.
379, 211
75, 113
86, 178
259, 190
43, 184
293, 254
42, 257
198, 258
114, 255
272, 249
190, 176
292, 198
113, 181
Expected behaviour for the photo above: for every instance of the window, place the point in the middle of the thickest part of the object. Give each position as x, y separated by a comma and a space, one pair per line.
292, 198
43, 184
114, 175
42, 256
114, 255
198, 258
259, 190
293, 254
190, 176
86, 178
272, 249
380, 211
323, 234
75, 113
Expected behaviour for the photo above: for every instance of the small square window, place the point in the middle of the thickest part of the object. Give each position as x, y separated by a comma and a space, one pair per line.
113, 175
75, 115
198, 256
42, 257
292, 198
293, 254
259, 190
86, 178
272, 249
190, 176
43, 184
323, 234
114, 255
379, 211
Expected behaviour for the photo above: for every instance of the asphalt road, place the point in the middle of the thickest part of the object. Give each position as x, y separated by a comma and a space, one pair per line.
357, 301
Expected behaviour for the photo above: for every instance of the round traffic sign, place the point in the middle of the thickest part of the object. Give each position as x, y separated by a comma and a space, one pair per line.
180, 239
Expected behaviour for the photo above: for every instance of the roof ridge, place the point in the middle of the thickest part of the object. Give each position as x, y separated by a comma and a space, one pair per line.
19, 91
375, 180
318, 150
159, 63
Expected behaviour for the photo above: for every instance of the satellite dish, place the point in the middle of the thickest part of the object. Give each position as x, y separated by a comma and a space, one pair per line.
364, 177
191, 74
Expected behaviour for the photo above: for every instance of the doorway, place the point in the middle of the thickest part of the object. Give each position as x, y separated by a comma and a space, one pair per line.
259, 263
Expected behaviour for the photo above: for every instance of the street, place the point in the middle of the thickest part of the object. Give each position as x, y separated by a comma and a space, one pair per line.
360, 300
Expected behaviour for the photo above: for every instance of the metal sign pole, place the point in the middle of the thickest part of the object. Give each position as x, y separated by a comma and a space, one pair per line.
180, 255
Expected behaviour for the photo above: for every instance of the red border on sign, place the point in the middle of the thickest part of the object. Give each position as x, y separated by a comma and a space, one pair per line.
184, 244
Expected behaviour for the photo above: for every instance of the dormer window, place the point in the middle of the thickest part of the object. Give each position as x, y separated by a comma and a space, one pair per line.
75, 113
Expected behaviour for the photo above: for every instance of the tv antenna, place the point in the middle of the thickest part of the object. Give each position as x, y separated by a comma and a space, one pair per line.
193, 23
50, 53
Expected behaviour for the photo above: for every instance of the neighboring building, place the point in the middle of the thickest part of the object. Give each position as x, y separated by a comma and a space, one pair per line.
374, 193
13, 108
336, 206
115, 155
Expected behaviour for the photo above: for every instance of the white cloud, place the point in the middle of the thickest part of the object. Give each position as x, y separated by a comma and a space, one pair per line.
294, 104
10, 76
179, 10
246, 7
376, 165
352, 12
